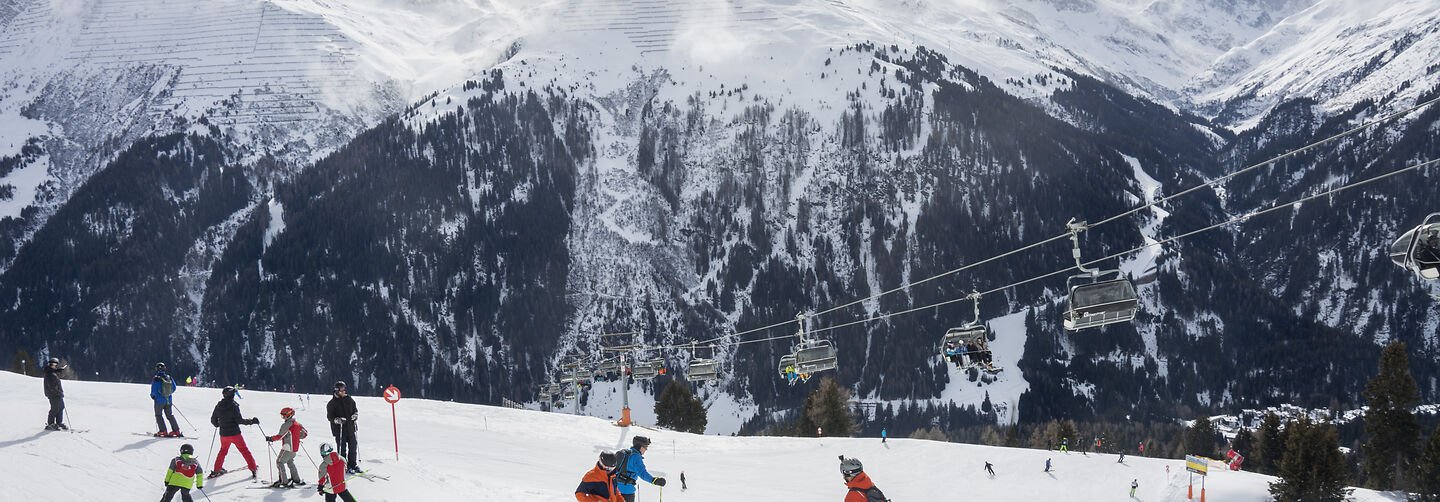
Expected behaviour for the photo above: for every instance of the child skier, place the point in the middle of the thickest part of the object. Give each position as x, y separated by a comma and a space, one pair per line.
184, 472
290, 434
598, 485
332, 472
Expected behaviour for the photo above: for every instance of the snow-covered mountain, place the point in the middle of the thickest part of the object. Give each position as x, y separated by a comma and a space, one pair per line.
454, 194
452, 450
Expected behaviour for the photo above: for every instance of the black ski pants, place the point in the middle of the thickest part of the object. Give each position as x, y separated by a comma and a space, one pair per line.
57, 410
345, 495
345, 445
170, 492
159, 422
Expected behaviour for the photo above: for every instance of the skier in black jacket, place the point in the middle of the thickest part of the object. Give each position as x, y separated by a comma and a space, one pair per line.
227, 417
53, 391
342, 414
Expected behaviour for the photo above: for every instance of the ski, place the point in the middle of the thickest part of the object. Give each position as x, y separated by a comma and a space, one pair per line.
152, 435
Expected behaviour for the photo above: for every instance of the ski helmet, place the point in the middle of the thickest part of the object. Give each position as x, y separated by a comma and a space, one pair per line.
186, 449
640, 442
228, 392
607, 460
339, 386
159, 366
325, 448
55, 360
287, 412
850, 466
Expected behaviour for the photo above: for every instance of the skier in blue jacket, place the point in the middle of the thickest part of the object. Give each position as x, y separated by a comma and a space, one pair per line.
161, 386
632, 468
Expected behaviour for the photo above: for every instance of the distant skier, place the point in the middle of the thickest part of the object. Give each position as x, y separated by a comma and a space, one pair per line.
1047, 465
1134, 483
1065, 445
682, 482
631, 468
819, 432
861, 489
882, 436
598, 485
332, 473
161, 389
55, 420
184, 473
1122, 458
343, 415
989, 468
227, 417
289, 435
1142, 449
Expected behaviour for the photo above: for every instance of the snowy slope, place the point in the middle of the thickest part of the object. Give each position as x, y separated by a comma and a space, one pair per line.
458, 450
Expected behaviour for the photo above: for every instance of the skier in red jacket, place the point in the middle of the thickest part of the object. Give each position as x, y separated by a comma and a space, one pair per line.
332, 473
290, 434
861, 489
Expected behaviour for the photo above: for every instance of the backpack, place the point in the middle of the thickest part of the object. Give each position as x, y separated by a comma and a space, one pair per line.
872, 494
622, 460
167, 386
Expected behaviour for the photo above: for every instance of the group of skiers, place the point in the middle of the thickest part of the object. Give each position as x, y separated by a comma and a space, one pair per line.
184, 472
971, 352
614, 476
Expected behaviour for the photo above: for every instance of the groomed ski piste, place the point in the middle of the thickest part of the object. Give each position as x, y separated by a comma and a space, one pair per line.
451, 451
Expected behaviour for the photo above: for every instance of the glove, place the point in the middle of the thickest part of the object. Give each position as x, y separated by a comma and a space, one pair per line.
320, 489
355, 417
658, 482
339, 420
269, 439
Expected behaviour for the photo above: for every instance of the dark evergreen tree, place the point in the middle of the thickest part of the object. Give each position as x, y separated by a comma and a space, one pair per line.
1391, 425
1244, 442
1427, 470
1200, 438
1271, 449
825, 408
677, 409
1313, 470
22, 363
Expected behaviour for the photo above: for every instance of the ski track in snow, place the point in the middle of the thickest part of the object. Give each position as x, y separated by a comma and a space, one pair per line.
450, 451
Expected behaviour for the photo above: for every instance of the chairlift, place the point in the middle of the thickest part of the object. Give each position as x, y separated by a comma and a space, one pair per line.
807, 357
1097, 303
1418, 249
968, 346
787, 368
703, 369
647, 369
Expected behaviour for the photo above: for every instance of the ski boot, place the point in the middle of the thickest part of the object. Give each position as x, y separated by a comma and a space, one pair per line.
162, 434
216, 473
280, 484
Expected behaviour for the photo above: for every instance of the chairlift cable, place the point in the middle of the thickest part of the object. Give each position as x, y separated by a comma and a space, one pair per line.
1068, 232
1142, 247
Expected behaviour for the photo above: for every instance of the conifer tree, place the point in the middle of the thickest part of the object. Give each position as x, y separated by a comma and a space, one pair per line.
1391, 425
1313, 470
22, 363
1271, 449
825, 407
677, 409
1200, 438
1427, 470
1244, 442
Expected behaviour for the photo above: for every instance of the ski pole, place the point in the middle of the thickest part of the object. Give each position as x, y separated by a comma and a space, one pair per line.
213, 433
312, 459
187, 420
269, 450
68, 423
202, 492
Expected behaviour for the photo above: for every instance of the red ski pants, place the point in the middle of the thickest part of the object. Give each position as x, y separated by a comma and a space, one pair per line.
239, 442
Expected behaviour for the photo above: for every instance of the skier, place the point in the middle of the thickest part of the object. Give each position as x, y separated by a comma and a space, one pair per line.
332, 472
290, 434
1122, 458
161, 388
598, 485
859, 484
819, 432
55, 421
682, 482
989, 468
227, 417
342, 414
631, 467
1134, 483
882, 436
184, 472
1065, 445
1047, 465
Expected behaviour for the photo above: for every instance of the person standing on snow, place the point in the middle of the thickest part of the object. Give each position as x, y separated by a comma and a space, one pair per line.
332, 472
342, 414
598, 485
290, 434
1047, 465
990, 468
184, 473
227, 417
882, 436
161, 388
1134, 483
55, 420
859, 484
631, 464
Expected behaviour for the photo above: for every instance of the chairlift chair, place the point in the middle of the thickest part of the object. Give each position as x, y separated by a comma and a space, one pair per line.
1413, 251
1099, 302
703, 369
787, 362
814, 356
645, 370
